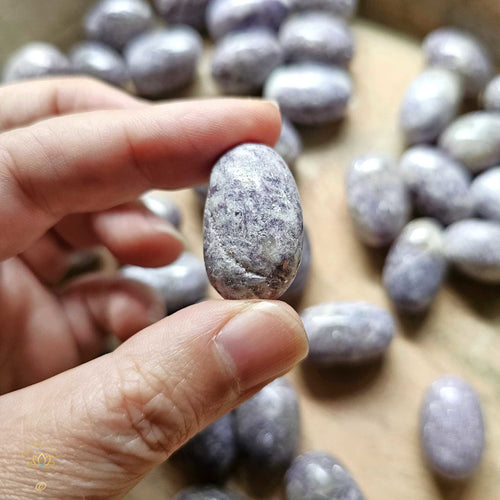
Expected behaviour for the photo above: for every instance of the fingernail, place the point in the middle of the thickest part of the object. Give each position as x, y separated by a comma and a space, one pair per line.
265, 340
274, 103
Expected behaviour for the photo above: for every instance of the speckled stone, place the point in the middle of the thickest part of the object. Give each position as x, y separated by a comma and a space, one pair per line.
452, 428
347, 332
461, 52
473, 246
268, 426
439, 186
213, 451
316, 475
252, 227
342, 8
242, 61
310, 93
35, 60
182, 283
206, 493
491, 96
416, 266
485, 193
431, 102
190, 12
317, 36
225, 16
100, 61
117, 22
163, 207
289, 145
163, 60
377, 198
474, 140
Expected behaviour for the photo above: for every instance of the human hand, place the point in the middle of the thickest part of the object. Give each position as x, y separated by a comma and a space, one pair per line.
74, 156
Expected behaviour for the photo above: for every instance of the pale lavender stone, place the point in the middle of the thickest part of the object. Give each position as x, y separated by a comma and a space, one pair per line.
317, 36
491, 96
242, 61
347, 332
342, 8
431, 102
35, 60
252, 228
206, 493
100, 61
461, 52
225, 16
163, 60
180, 284
117, 22
296, 289
416, 266
289, 145
317, 475
268, 426
439, 186
474, 140
485, 193
473, 246
190, 12
377, 199
163, 207
310, 93
452, 427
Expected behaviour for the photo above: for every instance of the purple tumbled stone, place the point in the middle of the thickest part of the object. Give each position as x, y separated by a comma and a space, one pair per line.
163, 207
491, 96
341, 8
289, 145
190, 12
206, 493
485, 193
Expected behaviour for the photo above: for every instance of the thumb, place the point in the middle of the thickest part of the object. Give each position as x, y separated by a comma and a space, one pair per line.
108, 422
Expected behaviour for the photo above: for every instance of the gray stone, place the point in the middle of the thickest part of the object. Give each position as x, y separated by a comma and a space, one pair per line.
310, 93
416, 266
341, 8
485, 194
473, 246
163, 60
317, 475
206, 493
377, 198
347, 332
491, 96
163, 207
289, 145
431, 102
252, 228
190, 12
452, 427
439, 186
242, 61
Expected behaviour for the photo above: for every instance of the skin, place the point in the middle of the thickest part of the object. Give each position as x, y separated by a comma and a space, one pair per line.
63, 189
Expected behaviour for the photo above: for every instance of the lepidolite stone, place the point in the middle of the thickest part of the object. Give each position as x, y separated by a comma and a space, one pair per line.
205, 493
316, 475
485, 193
347, 332
296, 289
252, 228
491, 96
190, 12
452, 428
341, 8
162, 207
289, 145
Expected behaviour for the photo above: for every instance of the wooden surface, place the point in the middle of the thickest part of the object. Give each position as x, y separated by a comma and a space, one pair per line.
366, 417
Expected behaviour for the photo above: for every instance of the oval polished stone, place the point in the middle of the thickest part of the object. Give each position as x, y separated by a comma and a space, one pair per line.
342, 8
206, 493
310, 93
347, 332
242, 61
377, 199
473, 246
415, 266
491, 96
289, 145
439, 186
190, 12
163, 207
474, 140
452, 427
485, 194
431, 102
316, 475
252, 227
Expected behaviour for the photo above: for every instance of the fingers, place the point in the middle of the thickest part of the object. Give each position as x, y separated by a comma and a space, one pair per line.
94, 161
127, 411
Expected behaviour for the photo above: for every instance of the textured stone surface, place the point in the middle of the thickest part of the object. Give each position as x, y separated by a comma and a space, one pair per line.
347, 332
377, 198
317, 36
289, 145
415, 266
462, 53
485, 194
342, 8
439, 186
268, 426
431, 102
252, 228
473, 246
100, 61
452, 428
190, 12
182, 283
163, 207
163, 60
474, 140
310, 93
117, 22
491, 96
35, 60
242, 61
316, 475
206, 493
